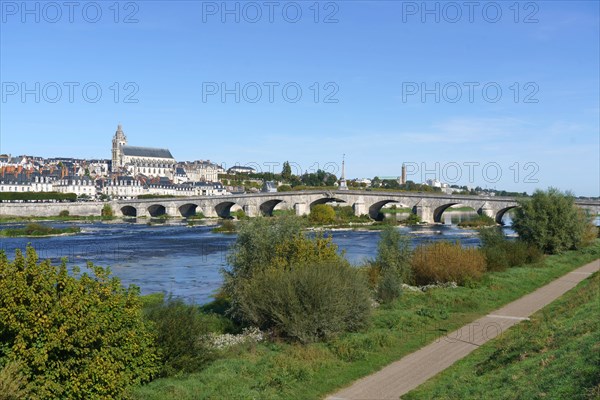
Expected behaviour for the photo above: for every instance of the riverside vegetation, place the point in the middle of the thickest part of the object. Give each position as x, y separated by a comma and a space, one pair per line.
293, 319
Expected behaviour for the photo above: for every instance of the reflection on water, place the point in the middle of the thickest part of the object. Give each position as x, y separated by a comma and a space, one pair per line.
185, 261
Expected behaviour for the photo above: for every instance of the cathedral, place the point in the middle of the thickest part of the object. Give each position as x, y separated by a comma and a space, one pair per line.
134, 160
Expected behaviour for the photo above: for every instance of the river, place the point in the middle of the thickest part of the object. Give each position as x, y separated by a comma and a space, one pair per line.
186, 261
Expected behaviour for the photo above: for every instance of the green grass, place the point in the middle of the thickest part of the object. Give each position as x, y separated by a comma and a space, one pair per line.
555, 355
289, 371
38, 230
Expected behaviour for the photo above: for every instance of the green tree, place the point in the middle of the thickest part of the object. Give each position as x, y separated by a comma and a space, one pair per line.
551, 221
286, 172
322, 214
78, 336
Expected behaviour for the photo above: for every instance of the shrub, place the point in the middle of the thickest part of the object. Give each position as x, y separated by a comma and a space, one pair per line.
240, 214
551, 221
322, 214
307, 302
501, 253
299, 286
447, 262
389, 286
284, 188
107, 211
180, 331
78, 336
393, 261
227, 226
412, 219
63, 213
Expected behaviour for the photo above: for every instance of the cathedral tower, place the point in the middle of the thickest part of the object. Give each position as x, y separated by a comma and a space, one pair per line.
119, 140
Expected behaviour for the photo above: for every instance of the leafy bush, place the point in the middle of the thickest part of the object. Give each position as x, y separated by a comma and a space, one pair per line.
63, 213
412, 219
393, 262
307, 302
322, 214
501, 253
227, 226
284, 188
180, 330
447, 262
299, 286
107, 211
80, 336
551, 221
240, 214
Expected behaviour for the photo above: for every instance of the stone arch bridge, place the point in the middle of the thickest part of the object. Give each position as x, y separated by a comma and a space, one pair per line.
428, 206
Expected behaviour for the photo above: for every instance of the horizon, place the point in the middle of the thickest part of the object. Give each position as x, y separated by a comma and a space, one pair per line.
379, 82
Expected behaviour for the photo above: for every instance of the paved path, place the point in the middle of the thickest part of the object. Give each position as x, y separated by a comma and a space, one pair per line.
414, 369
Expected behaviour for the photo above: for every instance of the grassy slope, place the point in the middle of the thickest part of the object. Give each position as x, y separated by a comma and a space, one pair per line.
556, 355
285, 371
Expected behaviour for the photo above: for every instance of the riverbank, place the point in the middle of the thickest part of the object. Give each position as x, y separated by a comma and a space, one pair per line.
555, 356
280, 370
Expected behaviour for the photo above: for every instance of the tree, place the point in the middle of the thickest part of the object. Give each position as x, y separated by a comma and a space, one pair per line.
77, 335
286, 172
322, 214
551, 221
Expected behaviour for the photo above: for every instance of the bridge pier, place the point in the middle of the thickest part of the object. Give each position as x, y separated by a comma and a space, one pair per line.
360, 208
487, 212
425, 213
142, 212
250, 210
301, 209
172, 211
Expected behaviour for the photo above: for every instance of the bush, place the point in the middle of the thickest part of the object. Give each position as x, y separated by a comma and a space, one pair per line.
240, 214
551, 221
322, 214
78, 336
412, 219
307, 302
180, 330
501, 253
393, 261
63, 213
447, 262
284, 188
107, 211
299, 286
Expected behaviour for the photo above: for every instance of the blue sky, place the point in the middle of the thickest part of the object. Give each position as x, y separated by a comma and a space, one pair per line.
375, 58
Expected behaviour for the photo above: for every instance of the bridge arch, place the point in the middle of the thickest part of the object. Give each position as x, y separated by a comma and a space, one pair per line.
188, 210
500, 214
223, 209
325, 200
437, 213
375, 209
157, 210
268, 206
129, 211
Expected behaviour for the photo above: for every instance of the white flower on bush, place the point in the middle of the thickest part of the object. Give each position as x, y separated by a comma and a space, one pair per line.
226, 340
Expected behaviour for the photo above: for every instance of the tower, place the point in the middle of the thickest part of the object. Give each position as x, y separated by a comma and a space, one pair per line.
403, 174
119, 140
343, 185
